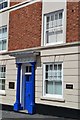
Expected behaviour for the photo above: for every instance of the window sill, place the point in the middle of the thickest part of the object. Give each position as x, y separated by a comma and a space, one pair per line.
56, 43
2, 92
3, 51
52, 99
2, 10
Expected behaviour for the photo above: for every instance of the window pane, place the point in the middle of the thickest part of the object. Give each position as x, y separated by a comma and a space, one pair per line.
2, 75
59, 78
49, 87
56, 16
0, 81
2, 84
3, 81
46, 75
55, 67
1, 6
54, 23
1, 0
0, 36
55, 75
48, 18
51, 37
51, 67
4, 68
0, 87
58, 88
52, 17
28, 68
60, 67
3, 87
0, 45
47, 25
59, 22
50, 24
59, 36
5, 4
60, 15
46, 67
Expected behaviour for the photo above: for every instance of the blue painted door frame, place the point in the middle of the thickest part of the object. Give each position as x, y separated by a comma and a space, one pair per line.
29, 90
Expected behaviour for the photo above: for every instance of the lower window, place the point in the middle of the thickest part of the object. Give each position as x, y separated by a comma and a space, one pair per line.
2, 77
53, 79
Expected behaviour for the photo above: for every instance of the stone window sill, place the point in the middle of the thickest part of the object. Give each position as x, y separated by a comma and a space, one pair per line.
52, 99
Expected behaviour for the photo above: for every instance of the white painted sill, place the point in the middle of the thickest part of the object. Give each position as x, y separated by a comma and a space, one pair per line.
52, 99
56, 43
2, 92
4, 9
3, 51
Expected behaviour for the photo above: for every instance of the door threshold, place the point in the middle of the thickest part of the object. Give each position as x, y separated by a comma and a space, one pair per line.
23, 111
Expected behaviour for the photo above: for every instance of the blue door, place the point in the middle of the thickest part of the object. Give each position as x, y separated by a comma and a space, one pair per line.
27, 91
28, 97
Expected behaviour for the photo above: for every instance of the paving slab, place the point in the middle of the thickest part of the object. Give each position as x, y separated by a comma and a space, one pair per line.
11, 115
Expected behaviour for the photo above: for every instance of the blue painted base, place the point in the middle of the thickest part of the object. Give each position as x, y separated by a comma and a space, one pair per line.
17, 107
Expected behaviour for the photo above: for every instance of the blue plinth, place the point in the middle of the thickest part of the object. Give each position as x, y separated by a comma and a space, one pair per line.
17, 107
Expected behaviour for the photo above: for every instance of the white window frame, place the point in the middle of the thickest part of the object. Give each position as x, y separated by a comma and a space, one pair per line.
54, 96
2, 92
55, 28
5, 38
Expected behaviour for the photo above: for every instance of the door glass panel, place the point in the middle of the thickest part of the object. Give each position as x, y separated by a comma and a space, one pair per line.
28, 69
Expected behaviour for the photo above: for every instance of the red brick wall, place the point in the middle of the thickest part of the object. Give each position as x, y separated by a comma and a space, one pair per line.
25, 27
15, 2
79, 20
72, 32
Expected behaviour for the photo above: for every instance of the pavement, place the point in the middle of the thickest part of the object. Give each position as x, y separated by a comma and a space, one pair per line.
11, 115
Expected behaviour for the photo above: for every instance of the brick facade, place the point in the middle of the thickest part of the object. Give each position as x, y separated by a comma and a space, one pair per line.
72, 31
25, 27
15, 2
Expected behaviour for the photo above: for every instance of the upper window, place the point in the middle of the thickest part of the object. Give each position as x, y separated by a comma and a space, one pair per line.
3, 38
53, 28
3, 4
53, 80
2, 77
